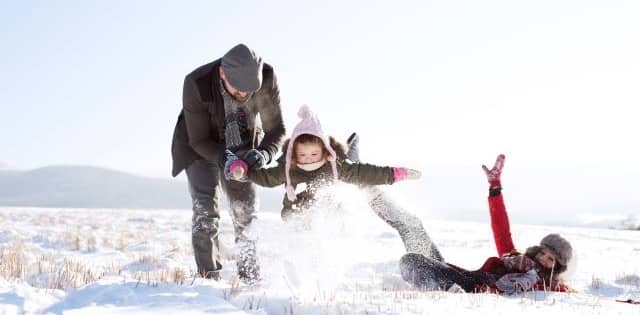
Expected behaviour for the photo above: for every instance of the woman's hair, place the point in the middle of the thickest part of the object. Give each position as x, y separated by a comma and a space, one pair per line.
306, 138
547, 274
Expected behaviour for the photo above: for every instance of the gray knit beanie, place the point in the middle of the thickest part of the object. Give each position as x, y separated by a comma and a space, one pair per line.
559, 246
243, 68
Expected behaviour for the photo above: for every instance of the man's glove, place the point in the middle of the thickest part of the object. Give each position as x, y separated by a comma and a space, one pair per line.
493, 175
257, 158
234, 167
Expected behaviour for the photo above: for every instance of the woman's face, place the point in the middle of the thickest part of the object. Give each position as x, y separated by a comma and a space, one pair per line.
546, 258
307, 153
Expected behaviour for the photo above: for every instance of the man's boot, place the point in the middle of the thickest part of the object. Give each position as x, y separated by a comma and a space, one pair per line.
203, 252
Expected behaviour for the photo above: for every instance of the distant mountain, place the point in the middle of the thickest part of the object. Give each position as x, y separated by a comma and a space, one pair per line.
89, 187
95, 187
593, 198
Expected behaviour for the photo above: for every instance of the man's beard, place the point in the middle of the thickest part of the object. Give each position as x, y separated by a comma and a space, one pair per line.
239, 97
235, 95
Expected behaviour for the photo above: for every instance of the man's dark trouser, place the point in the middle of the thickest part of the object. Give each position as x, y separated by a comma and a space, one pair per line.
430, 274
204, 177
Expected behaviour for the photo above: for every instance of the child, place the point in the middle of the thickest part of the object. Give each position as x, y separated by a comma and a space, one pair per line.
317, 161
538, 268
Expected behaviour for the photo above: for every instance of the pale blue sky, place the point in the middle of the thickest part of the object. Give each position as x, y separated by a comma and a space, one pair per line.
550, 83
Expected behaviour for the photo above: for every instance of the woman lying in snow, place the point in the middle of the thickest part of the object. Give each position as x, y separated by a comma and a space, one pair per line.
538, 268
314, 161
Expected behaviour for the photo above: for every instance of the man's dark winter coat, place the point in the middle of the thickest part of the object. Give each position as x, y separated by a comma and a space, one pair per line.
199, 132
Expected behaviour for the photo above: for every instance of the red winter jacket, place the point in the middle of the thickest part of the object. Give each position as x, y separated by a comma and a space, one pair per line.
504, 246
504, 243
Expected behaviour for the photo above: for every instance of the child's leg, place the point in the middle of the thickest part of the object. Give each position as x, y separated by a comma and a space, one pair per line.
410, 228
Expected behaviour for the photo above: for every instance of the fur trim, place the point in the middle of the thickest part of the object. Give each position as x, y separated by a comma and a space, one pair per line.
545, 273
340, 148
559, 246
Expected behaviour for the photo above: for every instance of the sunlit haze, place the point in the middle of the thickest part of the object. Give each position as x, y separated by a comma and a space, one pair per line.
549, 83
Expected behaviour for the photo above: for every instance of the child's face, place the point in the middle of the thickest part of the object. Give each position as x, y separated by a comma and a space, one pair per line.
307, 153
546, 258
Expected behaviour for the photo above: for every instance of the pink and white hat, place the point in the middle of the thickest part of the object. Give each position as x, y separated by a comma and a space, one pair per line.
308, 125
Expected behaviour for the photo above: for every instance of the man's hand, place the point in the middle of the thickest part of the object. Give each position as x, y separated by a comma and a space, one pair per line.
256, 158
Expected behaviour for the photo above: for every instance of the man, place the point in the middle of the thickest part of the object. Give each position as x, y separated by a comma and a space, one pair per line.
232, 103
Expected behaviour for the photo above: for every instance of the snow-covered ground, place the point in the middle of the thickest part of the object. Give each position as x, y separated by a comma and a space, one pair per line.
88, 261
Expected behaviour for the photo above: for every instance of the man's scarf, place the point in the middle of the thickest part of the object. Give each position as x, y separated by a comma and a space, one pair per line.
236, 134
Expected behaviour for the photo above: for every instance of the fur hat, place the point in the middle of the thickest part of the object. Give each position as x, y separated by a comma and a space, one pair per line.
308, 125
559, 246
